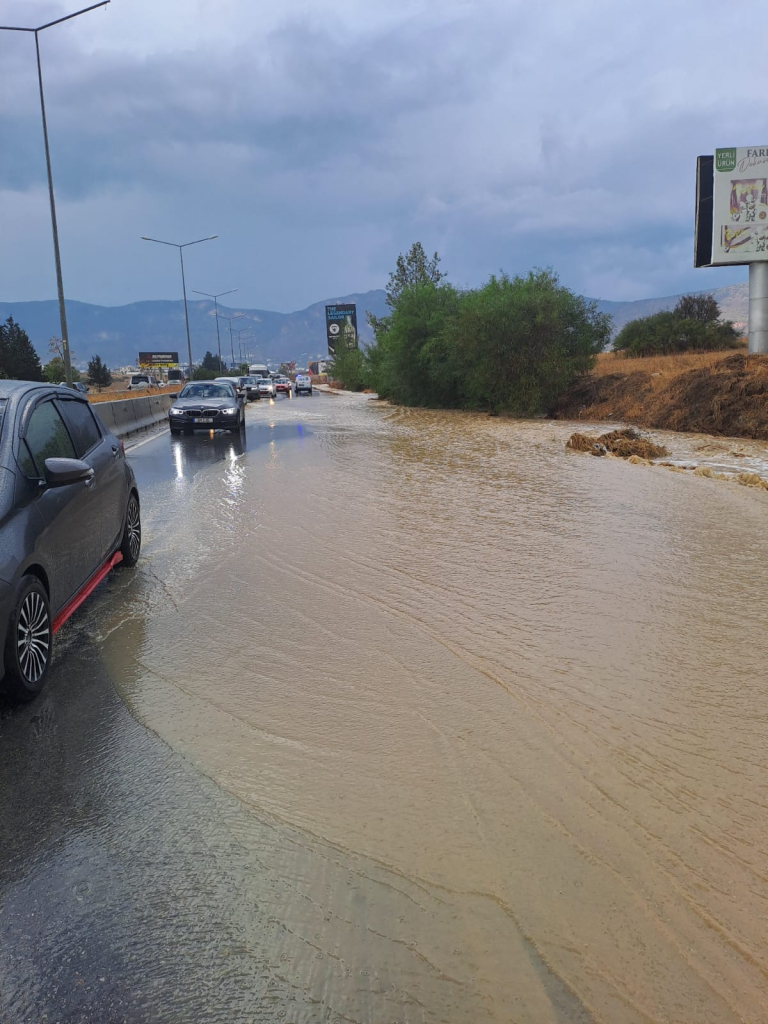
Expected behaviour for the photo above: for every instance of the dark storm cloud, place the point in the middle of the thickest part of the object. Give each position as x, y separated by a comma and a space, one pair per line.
497, 134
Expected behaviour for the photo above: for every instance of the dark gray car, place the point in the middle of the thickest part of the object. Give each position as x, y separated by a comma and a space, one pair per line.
207, 405
69, 511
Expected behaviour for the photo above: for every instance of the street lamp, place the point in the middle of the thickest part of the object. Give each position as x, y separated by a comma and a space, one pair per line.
240, 340
54, 227
181, 249
231, 342
215, 298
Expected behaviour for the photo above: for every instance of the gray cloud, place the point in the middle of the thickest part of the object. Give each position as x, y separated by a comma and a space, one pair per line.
318, 147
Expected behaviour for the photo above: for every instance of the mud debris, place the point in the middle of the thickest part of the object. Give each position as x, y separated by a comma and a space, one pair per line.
625, 443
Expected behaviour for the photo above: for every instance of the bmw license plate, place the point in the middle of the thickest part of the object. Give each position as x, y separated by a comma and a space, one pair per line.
203, 419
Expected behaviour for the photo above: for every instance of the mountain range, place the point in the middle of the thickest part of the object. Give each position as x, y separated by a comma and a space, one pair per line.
117, 333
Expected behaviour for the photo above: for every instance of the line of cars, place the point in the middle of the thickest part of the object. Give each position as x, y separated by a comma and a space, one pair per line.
219, 404
70, 509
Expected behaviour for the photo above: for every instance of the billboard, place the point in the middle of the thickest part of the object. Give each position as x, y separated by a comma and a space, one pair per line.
341, 327
740, 206
150, 360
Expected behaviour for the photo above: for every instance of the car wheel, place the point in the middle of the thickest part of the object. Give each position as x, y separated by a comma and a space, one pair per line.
130, 548
29, 640
175, 431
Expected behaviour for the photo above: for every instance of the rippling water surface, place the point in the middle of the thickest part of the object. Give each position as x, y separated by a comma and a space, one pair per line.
501, 707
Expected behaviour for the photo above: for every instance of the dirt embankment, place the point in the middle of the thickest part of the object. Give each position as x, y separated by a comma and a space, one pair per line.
711, 394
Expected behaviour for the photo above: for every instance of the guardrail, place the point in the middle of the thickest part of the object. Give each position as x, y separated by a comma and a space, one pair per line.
127, 415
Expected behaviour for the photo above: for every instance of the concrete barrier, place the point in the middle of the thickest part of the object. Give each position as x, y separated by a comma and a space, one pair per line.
126, 416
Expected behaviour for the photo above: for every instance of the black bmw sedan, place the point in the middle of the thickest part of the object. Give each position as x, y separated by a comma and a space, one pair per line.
207, 405
69, 512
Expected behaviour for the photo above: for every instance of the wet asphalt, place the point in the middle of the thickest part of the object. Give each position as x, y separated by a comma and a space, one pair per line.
120, 870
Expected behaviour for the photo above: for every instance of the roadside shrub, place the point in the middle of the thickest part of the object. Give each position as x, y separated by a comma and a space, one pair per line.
694, 325
349, 368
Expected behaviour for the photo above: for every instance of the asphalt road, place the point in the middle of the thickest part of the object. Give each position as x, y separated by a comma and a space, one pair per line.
121, 895
405, 717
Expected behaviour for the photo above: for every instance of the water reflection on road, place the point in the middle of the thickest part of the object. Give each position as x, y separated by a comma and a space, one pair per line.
502, 709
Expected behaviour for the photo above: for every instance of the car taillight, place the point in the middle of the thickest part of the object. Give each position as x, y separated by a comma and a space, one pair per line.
122, 445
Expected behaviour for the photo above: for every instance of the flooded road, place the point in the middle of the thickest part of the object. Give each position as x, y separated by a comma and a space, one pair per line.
430, 720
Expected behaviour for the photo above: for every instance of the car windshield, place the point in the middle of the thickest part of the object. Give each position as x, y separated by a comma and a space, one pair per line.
206, 391
139, 380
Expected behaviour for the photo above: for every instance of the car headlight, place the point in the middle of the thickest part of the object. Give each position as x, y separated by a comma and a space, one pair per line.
176, 412
229, 412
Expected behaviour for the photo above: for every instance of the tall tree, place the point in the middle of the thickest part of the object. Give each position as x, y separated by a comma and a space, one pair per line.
703, 308
18, 357
211, 363
413, 268
98, 373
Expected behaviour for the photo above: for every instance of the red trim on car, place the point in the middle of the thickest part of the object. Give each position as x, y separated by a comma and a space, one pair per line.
85, 591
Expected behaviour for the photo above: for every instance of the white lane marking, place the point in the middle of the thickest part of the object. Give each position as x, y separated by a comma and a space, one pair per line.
133, 447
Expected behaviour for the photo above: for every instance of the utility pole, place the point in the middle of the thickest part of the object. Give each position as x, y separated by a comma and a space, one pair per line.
51, 199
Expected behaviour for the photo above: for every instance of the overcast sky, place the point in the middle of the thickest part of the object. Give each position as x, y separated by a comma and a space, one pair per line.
319, 138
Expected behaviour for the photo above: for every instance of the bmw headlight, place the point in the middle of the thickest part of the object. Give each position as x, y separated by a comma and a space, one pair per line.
176, 412
229, 412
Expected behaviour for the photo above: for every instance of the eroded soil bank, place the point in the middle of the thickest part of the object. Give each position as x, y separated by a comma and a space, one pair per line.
725, 395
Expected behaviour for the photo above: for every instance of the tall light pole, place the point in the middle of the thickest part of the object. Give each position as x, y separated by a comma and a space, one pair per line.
240, 340
231, 342
54, 226
215, 298
181, 248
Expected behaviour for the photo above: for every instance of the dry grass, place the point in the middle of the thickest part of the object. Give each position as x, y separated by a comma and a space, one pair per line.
113, 396
705, 392
624, 444
612, 362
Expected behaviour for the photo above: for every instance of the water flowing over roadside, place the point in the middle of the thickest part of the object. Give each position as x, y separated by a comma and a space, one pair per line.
501, 706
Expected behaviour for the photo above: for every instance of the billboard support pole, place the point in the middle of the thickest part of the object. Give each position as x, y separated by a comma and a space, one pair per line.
758, 308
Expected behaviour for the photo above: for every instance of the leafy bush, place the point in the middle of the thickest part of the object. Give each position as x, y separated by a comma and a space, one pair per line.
694, 325
512, 345
349, 368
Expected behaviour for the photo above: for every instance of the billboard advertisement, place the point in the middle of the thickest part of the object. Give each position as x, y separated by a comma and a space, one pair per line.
740, 205
341, 327
150, 360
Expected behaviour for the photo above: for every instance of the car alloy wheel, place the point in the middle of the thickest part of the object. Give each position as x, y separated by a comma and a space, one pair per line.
29, 641
33, 637
130, 548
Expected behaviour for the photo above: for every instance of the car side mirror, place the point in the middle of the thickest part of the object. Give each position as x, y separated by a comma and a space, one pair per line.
59, 472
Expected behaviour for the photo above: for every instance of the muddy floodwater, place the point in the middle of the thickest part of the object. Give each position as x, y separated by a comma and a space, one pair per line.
495, 713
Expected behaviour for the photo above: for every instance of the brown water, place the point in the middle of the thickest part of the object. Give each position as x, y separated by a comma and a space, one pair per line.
502, 709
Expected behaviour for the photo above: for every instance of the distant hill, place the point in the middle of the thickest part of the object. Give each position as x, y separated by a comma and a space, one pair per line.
733, 299
117, 333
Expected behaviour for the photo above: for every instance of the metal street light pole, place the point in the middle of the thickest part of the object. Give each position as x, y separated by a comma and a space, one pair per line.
181, 249
231, 341
240, 340
215, 298
54, 225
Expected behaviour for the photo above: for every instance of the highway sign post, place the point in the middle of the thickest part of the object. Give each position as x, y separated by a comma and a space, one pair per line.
158, 360
341, 327
732, 224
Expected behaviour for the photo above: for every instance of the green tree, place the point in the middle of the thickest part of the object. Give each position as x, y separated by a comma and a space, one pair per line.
521, 341
512, 345
349, 368
54, 372
211, 364
413, 268
668, 331
98, 373
18, 358
703, 308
